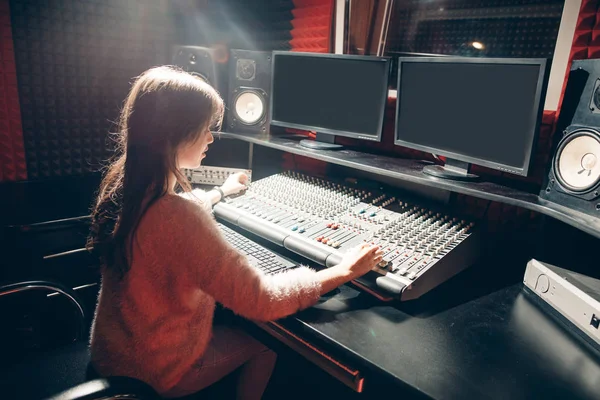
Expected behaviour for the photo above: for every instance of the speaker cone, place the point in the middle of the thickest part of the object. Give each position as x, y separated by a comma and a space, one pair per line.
249, 107
577, 161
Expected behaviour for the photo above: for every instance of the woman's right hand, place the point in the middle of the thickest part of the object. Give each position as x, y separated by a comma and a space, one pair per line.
361, 259
355, 263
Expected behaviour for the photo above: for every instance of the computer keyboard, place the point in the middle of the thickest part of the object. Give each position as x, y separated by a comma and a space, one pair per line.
257, 255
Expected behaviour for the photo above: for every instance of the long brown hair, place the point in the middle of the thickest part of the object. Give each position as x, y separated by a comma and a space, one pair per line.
165, 109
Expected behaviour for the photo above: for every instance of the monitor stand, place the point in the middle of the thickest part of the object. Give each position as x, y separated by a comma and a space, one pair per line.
453, 169
324, 141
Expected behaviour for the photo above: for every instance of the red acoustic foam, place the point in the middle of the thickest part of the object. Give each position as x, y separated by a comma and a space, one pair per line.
582, 38
312, 49
548, 117
311, 3
593, 52
579, 53
312, 43
595, 40
306, 33
589, 6
596, 25
586, 21
312, 22
12, 150
310, 12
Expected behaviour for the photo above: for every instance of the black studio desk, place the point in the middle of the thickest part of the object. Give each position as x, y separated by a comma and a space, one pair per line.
457, 342
480, 335
477, 336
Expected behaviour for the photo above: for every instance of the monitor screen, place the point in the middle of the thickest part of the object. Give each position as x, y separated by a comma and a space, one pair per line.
476, 110
336, 94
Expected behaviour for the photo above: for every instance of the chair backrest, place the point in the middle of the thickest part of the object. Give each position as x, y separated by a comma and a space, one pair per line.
117, 387
65, 366
26, 302
18, 287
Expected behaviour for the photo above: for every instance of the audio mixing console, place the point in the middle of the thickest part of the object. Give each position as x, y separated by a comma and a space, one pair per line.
320, 220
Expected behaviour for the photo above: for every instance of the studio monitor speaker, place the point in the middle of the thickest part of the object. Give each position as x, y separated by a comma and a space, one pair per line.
208, 64
574, 175
249, 91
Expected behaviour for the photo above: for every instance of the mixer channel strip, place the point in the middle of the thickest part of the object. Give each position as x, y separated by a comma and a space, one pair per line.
320, 220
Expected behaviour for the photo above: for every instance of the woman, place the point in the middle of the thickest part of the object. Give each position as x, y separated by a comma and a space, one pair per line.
165, 263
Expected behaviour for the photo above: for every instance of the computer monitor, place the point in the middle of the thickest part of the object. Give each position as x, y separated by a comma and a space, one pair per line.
330, 94
484, 111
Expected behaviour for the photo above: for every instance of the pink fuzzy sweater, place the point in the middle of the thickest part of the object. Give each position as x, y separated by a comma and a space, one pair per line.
157, 321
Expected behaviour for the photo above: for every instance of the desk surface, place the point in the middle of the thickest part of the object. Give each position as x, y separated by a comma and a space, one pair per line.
496, 346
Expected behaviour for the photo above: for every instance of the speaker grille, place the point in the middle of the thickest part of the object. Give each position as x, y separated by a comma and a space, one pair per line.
195, 60
577, 163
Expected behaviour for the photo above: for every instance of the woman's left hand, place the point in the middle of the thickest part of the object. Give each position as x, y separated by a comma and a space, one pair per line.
235, 183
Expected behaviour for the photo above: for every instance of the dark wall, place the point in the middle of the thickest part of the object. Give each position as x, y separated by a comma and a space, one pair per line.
74, 64
12, 152
67, 65
235, 24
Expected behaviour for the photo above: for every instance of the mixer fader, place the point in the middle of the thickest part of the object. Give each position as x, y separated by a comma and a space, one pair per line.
320, 220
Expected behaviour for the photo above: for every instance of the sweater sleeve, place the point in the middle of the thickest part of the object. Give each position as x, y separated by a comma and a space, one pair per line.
200, 197
192, 243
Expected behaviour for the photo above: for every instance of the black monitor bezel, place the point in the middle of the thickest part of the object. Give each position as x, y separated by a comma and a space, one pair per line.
536, 115
354, 135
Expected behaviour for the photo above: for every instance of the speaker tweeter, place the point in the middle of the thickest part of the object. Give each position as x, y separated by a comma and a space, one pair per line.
204, 63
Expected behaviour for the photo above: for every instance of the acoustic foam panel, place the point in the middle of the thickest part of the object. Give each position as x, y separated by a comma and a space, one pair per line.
507, 28
75, 61
312, 25
12, 151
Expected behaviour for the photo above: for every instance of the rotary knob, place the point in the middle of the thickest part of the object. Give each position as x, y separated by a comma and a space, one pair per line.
543, 284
